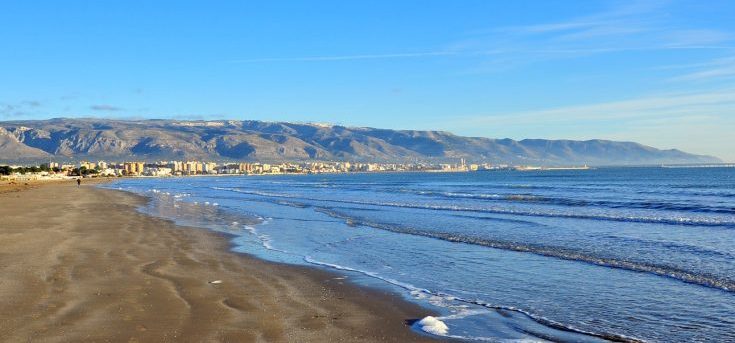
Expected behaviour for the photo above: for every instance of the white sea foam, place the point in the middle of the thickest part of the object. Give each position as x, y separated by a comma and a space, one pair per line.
250, 229
265, 240
434, 326
418, 294
445, 300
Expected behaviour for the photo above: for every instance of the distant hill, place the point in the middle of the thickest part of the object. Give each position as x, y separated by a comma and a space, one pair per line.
36, 140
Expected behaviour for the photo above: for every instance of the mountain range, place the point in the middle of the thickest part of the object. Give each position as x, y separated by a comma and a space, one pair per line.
230, 140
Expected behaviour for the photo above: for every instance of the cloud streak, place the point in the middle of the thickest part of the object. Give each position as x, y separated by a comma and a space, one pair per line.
347, 57
19, 109
629, 28
697, 122
669, 105
107, 108
715, 69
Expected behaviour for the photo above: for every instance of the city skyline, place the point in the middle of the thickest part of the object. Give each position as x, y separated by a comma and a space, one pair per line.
658, 72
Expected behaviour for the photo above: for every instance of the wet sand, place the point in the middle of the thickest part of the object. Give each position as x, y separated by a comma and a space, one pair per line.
81, 264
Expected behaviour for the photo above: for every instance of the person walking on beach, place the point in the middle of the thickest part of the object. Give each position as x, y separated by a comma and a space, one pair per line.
79, 182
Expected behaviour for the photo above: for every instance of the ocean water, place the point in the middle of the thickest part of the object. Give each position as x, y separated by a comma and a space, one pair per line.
580, 255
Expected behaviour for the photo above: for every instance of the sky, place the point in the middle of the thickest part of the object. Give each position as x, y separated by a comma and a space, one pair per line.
661, 73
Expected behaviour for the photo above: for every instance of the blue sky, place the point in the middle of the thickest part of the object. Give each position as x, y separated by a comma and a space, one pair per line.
658, 72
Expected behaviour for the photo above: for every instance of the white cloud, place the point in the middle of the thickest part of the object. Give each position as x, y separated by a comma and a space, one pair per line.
632, 27
346, 57
678, 104
705, 134
701, 122
715, 69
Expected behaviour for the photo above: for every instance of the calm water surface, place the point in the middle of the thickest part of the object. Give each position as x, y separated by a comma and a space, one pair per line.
591, 255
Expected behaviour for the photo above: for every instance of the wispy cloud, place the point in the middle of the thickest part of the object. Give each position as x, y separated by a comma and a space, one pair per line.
701, 134
107, 108
621, 26
638, 26
696, 38
718, 68
32, 103
6, 108
697, 122
67, 97
347, 57
642, 26
622, 20
667, 106
19, 109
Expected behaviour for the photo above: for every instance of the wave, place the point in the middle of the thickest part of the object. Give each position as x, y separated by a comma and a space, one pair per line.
537, 318
570, 202
674, 246
663, 189
703, 279
624, 239
694, 190
693, 221
672, 272
498, 219
557, 252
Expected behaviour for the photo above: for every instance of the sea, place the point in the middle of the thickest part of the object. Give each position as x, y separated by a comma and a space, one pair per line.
606, 254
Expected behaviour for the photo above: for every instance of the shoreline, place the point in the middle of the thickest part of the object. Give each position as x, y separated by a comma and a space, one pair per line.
109, 272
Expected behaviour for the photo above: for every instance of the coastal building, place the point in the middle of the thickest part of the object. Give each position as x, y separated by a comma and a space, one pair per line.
166, 168
246, 168
176, 166
157, 171
193, 168
51, 165
134, 168
87, 165
229, 168
209, 168
109, 172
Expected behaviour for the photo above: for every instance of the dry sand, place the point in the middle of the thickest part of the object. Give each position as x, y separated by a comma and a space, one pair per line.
81, 264
7, 186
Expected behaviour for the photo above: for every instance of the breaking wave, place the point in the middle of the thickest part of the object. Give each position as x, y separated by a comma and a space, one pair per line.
702, 279
668, 220
417, 290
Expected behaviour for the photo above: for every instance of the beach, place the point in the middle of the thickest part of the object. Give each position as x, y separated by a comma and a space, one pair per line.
82, 264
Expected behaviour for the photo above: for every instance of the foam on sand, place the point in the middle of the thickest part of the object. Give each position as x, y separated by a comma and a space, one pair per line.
433, 325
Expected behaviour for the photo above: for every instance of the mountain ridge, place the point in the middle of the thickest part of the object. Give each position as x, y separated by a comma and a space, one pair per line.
171, 139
